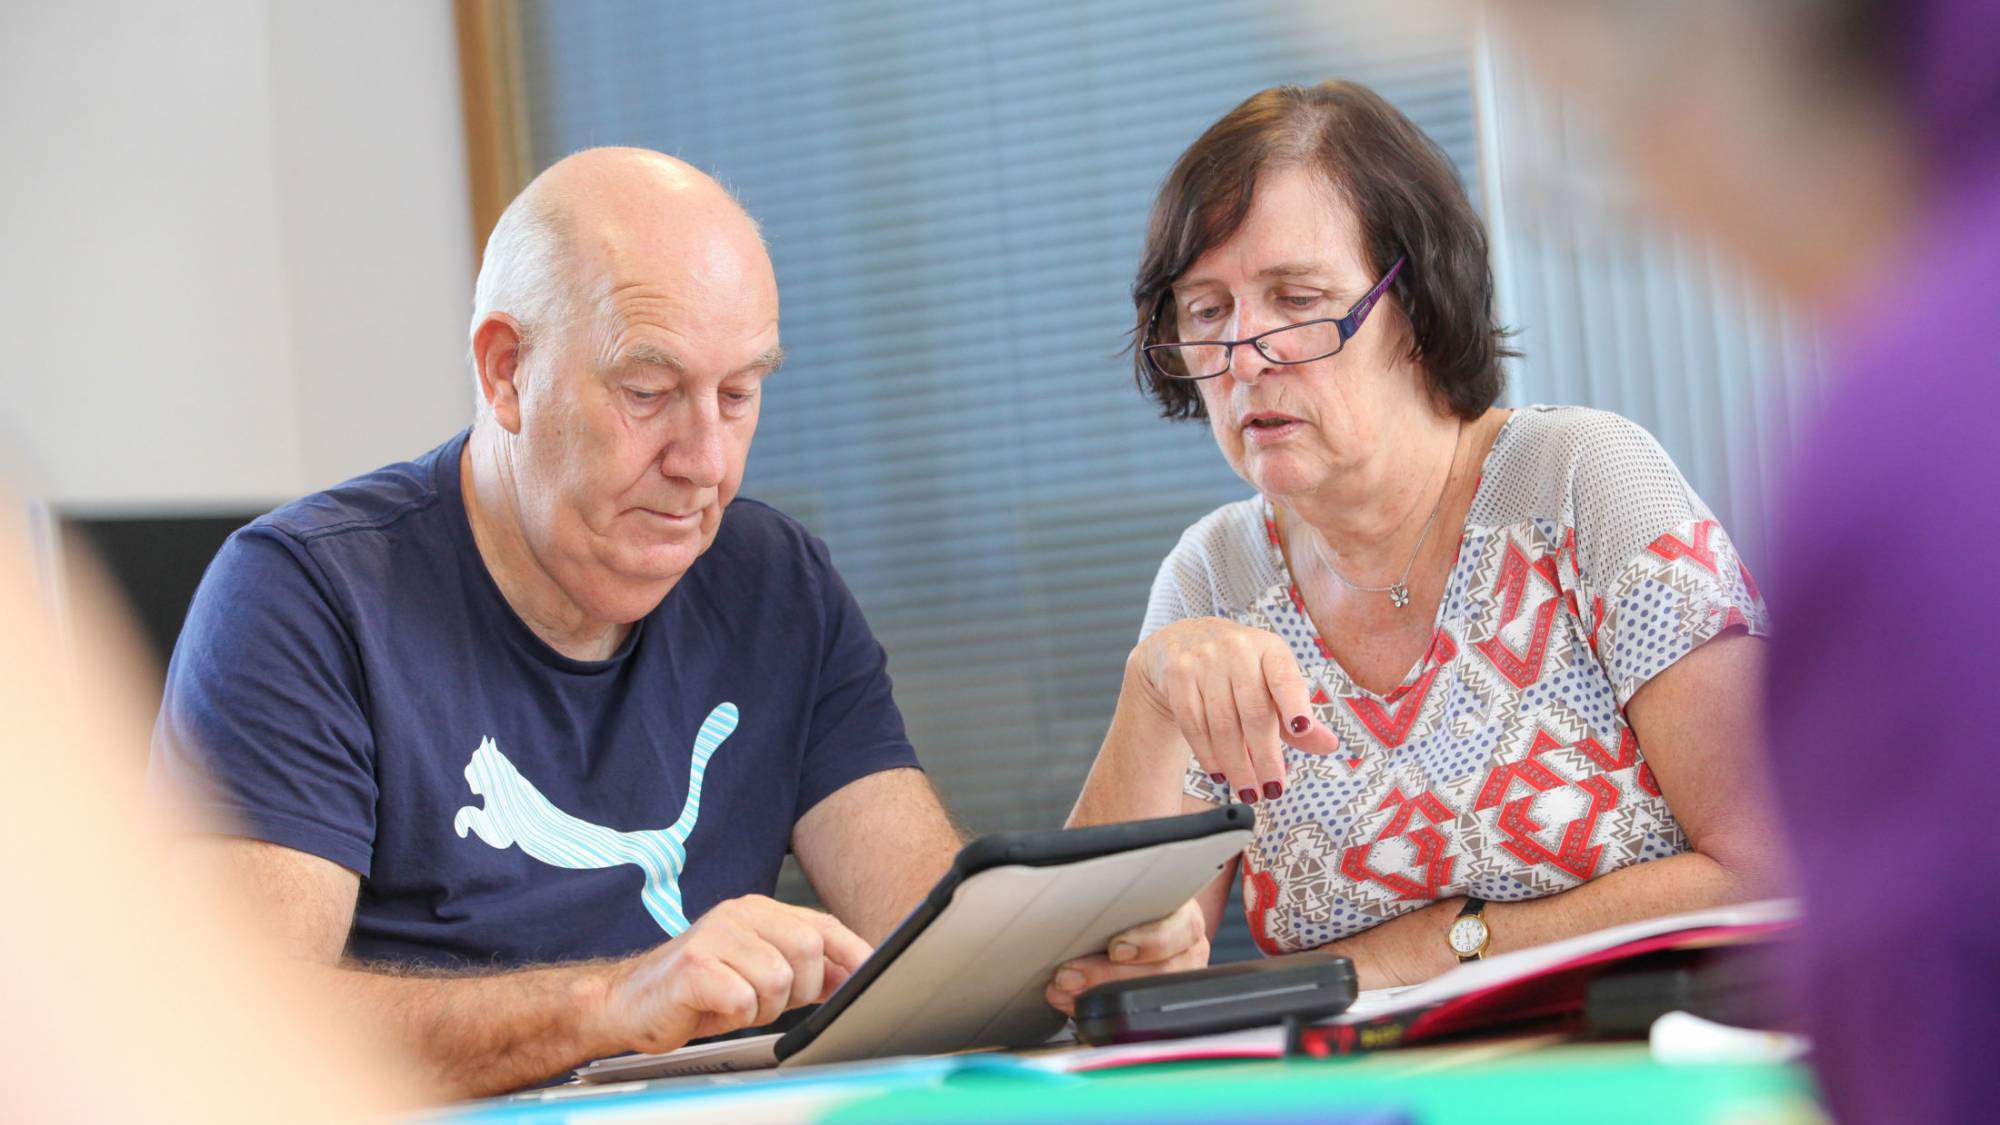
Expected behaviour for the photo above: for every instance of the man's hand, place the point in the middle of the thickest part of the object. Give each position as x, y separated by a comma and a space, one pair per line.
1178, 941
742, 964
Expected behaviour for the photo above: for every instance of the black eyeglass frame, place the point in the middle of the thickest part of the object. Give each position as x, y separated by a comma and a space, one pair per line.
1346, 326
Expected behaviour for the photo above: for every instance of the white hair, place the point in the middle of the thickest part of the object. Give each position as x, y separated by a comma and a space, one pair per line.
526, 273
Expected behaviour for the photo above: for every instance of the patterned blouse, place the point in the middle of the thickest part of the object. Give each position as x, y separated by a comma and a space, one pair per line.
1502, 765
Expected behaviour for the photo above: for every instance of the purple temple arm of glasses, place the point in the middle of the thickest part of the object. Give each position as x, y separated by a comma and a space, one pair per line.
1351, 323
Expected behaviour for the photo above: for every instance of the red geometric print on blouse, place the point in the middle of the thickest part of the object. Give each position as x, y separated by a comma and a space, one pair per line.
1390, 728
1260, 894
1524, 834
1523, 668
1502, 764
1671, 547
1429, 868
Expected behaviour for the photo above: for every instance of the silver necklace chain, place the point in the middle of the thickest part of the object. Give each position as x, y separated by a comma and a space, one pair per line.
1399, 590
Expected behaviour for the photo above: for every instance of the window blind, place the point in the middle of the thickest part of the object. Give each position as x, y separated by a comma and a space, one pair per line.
954, 193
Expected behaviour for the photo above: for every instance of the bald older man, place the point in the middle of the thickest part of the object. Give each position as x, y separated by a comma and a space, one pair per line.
517, 734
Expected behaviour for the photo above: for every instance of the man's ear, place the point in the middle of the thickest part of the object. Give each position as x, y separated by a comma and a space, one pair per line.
497, 347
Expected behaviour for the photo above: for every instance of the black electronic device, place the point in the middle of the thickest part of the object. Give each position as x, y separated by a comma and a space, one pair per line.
1310, 985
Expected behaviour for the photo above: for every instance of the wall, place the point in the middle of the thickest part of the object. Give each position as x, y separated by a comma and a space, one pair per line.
234, 252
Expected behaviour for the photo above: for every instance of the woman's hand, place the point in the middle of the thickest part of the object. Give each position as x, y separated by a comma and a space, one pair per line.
1235, 694
1172, 944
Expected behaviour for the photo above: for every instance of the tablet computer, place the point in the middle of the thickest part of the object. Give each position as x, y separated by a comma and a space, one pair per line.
969, 966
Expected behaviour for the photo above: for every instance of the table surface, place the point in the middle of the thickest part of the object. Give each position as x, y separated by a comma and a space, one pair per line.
1494, 1082
1572, 1083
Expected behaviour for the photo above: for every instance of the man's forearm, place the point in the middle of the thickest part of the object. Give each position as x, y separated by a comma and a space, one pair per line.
873, 848
474, 1035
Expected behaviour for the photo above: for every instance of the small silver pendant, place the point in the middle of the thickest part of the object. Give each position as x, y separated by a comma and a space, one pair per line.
1399, 594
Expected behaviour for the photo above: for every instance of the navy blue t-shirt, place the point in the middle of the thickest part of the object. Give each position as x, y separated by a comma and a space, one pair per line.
351, 683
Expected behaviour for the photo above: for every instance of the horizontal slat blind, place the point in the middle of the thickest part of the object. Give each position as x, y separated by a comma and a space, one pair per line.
954, 193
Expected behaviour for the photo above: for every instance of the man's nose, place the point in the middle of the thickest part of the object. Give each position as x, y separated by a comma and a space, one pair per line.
695, 449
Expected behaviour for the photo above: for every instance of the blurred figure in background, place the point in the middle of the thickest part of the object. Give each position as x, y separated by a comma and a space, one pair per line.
133, 991
1849, 152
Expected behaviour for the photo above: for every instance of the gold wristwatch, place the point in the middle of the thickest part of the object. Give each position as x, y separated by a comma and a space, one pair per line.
1468, 936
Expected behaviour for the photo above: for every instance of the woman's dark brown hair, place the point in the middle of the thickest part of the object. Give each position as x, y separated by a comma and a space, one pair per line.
1403, 191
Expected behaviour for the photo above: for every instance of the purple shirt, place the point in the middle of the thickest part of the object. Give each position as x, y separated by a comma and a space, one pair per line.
1885, 672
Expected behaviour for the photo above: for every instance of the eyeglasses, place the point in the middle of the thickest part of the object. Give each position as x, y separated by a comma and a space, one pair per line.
1303, 342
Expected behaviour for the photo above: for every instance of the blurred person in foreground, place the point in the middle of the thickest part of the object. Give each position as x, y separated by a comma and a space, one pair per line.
516, 735
134, 990
1488, 676
1849, 152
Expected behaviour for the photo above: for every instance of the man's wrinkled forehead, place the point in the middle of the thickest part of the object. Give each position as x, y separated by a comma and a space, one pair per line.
706, 261
711, 287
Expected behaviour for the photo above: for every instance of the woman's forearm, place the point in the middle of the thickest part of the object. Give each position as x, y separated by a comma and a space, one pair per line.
1139, 769
1411, 948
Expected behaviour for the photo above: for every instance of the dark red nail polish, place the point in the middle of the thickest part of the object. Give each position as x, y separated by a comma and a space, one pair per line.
1301, 724
1219, 778
1272, 789
1248, 796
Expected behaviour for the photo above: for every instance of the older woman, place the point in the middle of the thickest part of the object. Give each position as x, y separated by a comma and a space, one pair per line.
1488, 676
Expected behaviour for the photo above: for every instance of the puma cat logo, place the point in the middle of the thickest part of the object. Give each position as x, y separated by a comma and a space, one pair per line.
516, 813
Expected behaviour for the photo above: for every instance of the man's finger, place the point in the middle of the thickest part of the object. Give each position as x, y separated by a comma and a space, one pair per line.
709, 998
768, 973
843, 947
830, 984
796, 935
794, 931
808, 982
800, 937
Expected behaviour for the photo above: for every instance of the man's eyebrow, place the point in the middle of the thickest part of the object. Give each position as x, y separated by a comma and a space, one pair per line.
651, 355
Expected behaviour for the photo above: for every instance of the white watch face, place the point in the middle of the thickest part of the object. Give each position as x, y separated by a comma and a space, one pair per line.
1467, 935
